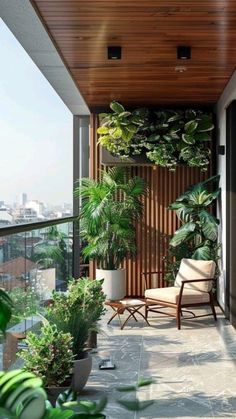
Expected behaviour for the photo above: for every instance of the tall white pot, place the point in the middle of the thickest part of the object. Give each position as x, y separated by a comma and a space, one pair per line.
114, 285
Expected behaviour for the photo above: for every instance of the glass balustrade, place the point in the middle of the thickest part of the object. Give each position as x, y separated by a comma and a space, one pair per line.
33, 264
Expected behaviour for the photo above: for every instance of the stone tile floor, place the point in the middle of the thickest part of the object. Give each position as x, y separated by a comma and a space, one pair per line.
194, 369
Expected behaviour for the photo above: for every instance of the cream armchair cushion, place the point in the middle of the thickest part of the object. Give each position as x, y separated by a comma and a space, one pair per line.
196, 269
171, 295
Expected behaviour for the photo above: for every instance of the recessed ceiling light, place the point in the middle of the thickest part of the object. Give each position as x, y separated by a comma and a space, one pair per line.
114, 53
183, 52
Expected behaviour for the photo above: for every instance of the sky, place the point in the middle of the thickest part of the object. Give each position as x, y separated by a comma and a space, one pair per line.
36, 137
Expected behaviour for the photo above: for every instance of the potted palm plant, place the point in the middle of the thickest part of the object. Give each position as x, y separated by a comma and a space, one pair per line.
109, 208
76, 312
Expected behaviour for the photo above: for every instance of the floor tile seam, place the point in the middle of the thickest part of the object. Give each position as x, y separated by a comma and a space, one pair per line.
139, 369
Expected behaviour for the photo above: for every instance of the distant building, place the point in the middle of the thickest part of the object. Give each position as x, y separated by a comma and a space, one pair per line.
5, 217
24, 199
25, 215
36, 206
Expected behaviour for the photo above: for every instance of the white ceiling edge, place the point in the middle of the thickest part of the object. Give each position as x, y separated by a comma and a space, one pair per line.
24, 23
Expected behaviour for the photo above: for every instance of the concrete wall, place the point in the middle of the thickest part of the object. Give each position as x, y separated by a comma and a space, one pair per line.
228, 95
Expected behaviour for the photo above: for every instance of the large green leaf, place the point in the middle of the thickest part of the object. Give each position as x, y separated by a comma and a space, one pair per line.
202, 253
188, 138
209, 225
57, 413
124, 114
183, 234
202, 136
66, 396
117, 107
190, 127
116, 133
103, 130
185, 214
205, 125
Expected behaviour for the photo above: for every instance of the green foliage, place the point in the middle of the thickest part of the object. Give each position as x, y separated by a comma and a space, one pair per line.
167, 137
197, 237
51, 249
77, 311
109, 208
88, 409
49, 355
118, 128
26, 303
6, 305
21, 395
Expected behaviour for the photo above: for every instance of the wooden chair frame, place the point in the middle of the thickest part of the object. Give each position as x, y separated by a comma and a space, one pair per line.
179, 306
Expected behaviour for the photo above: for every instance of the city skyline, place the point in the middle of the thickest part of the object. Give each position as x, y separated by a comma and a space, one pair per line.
36, 130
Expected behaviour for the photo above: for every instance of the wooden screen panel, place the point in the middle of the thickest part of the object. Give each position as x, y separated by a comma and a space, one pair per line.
158, 223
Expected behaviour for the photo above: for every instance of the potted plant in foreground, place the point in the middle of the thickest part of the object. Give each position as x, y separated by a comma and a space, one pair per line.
109, 208
50, 357
76, 312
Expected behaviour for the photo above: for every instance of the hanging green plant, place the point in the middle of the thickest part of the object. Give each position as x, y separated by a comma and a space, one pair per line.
167, 137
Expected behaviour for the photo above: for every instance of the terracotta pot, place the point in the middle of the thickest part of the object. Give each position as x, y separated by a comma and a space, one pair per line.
82, 369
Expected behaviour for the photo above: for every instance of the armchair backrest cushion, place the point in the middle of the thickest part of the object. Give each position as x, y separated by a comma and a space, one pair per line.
196, 269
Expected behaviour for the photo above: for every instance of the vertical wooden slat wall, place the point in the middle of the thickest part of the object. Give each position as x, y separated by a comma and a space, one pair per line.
158, 223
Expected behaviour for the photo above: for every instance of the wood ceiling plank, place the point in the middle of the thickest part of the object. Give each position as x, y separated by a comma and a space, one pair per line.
149, 34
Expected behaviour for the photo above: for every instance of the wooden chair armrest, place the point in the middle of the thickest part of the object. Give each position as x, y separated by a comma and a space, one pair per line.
186, 281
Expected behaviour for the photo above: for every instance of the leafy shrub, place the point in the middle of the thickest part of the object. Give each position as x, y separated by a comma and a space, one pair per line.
48, 355
77, 311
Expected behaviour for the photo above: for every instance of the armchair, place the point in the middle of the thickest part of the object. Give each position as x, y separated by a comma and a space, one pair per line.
192, 288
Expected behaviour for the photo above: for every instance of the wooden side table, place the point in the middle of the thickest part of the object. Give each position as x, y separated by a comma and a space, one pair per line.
133, 306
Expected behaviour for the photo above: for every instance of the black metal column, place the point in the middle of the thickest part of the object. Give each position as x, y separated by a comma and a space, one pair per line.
80, 169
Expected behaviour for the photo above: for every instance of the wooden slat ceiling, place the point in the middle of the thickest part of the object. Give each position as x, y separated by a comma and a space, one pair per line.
148, 32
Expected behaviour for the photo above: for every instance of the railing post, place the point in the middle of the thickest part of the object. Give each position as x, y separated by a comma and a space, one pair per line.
80, 169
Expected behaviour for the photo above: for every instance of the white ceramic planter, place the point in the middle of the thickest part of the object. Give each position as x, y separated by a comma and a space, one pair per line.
114, 285
82, 369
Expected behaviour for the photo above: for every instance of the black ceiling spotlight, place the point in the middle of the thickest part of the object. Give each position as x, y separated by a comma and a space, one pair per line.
183, 52
114, 53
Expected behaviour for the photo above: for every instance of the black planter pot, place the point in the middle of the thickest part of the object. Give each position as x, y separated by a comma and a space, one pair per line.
53, 392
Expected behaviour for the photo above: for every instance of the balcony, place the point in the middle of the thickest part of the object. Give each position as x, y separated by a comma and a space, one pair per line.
70, 43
